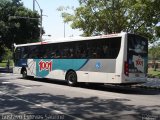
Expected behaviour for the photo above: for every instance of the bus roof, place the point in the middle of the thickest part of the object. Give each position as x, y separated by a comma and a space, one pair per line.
71, 39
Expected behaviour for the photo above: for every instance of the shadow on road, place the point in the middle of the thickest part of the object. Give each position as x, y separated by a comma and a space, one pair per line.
100, 87
91, 108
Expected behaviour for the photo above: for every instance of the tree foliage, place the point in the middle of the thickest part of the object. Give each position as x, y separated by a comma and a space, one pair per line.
16, 23
113, 16
8, 53
154, 54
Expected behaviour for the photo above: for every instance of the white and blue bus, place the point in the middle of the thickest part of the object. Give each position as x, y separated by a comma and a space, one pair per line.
116, 59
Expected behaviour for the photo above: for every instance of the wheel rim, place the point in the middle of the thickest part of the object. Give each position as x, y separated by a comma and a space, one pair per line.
72, 78
24, 74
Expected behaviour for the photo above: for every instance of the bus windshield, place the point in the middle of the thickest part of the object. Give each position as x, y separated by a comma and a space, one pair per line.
137, 54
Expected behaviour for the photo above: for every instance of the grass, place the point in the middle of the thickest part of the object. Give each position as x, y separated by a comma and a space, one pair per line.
4, 63
153, 73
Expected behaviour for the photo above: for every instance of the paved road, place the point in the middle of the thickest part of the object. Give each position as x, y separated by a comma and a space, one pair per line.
20, 98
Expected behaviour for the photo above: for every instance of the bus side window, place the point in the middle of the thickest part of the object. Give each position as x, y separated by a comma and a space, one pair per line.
65, 53
57, 54
105, 51
100, 52
71, 55
46, 54
83, 54
24, 51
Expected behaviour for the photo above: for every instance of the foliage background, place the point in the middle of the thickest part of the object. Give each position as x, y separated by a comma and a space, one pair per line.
17, 25
113, 16
95, 17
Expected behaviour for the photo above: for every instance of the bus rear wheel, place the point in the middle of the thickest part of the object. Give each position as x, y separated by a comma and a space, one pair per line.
24, 74
71, 78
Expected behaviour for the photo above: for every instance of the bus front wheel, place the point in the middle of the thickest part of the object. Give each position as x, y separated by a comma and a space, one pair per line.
71, 78
24, 74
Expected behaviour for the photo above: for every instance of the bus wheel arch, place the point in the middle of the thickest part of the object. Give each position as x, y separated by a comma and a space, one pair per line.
24, 72
71, 78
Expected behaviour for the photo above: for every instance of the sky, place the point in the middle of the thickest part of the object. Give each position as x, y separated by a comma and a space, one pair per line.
52, 21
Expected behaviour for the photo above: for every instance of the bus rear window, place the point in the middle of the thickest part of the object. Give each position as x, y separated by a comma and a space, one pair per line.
137, 53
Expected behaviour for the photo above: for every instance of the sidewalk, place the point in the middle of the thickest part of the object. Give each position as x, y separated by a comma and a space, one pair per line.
152, 83
6, 70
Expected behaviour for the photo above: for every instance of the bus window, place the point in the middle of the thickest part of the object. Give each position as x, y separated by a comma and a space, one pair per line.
137, 54
107, 48
18, 53
113, 49
34, 52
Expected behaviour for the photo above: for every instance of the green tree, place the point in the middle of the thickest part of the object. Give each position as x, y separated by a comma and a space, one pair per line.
8, 53
16, 23
154, 53
113, 16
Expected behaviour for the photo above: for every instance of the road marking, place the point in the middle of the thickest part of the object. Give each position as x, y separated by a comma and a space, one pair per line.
38, 105
41, 106
23, 86
6, 82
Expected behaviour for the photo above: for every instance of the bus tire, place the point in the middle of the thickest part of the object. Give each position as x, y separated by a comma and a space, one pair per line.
71, 78
24, 74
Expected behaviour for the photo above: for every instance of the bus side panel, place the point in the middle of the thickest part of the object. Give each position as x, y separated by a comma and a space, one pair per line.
82, 76
122, 57
98, 77
113, 78
57, 74
99, 71
17, 70
100, 65
57, 68
31, 69
18, 65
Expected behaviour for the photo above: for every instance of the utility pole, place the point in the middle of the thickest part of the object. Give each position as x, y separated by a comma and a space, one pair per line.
41, 13
41, 24
64, 30
33, 5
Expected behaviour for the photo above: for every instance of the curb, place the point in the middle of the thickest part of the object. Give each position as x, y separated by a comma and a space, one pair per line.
5, 70
150, 87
